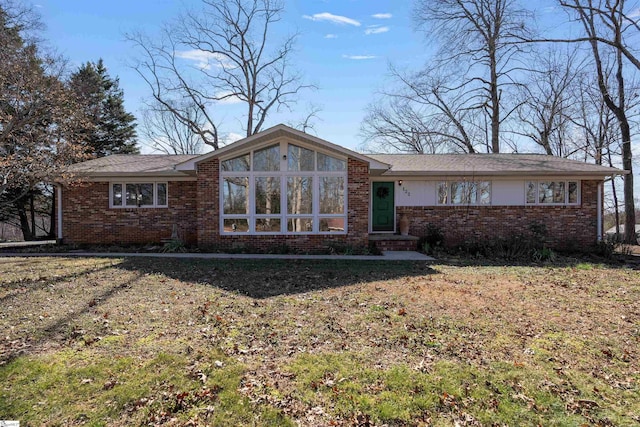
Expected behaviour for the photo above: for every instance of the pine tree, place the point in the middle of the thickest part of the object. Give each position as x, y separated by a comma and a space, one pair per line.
111, 129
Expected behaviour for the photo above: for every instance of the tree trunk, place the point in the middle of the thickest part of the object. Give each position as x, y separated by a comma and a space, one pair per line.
629, 205
21, 208
53, 232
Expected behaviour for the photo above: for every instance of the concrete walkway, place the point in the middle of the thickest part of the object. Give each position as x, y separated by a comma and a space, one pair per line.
5, 245
386, 256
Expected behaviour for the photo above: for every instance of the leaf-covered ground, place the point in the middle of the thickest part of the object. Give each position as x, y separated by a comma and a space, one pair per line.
212, 342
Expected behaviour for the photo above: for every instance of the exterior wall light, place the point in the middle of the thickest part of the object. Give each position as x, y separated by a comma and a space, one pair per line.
400, 183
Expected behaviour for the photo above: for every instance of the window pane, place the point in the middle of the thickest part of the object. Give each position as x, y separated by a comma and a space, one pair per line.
463, 193
332, 195
484, 193
240, 225
268, 225
267, 159
117, 194
145, 194
442, 193
573, 192
531, 192
300, 159
299, 225
558, 192
331, 224
267, 195
299, 195
236, 195
328, 163
238, 164
545, 192
132, 195
162, 194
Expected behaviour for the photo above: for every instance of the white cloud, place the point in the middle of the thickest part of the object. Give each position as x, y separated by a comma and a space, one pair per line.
203, 59
330, 36
635, 13
375, 29
359, 57
231, 137
382, 15
335, 19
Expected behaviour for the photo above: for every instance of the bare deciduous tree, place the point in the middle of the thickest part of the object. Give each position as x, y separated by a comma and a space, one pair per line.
605, 23
166, 133
547, 102
237, 63
423, 115
476, 39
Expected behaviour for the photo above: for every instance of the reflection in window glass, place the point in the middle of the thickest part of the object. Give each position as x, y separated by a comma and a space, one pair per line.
145, 194
117, 194
238, 164
332, 195
442, 193
299, 225
132, 195
300, 159
573, 192
551, 192
162, 194
267, 195
545, 192
331, 224
236, 225
484, 193
328, 163
268, 225
299, 195
267, 159
235, 195
463, 193
531, 192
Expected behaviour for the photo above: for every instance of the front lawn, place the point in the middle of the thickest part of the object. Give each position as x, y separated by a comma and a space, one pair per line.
139, 341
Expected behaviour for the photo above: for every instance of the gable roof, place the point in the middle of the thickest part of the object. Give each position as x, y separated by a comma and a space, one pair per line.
132, 164
489, 165
280, 131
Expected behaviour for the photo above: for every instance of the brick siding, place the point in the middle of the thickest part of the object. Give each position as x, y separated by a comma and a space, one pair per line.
568, 227
209, 236
87, 218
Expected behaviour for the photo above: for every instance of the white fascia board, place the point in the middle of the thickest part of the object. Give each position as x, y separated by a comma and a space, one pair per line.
277, 132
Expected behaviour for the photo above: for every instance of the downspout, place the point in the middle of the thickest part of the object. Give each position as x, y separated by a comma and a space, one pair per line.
59, 218
599, 214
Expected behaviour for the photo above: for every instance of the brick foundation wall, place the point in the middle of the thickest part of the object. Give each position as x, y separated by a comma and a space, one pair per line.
568, 227
209, 222
87, 218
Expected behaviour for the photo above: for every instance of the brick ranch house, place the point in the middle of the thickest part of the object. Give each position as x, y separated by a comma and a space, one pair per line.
285, 187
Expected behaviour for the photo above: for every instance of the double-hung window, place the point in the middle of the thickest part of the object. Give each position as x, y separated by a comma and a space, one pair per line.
283, 188
138, 195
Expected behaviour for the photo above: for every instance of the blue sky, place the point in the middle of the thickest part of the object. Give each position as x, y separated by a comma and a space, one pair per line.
344, 48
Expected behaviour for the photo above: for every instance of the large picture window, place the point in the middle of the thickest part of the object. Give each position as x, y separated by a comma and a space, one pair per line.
138, 195
283, 188
464, 193
552, 192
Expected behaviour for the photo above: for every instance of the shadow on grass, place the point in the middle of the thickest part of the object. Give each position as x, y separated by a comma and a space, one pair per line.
268, 278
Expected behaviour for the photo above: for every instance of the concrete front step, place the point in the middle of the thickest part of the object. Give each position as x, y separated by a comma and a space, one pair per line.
394, 242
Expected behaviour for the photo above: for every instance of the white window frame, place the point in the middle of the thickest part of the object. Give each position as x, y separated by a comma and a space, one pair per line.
566, 192
283, 174
155, 204
449, 201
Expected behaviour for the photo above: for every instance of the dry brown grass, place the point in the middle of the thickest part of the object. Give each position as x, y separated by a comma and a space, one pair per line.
319, 343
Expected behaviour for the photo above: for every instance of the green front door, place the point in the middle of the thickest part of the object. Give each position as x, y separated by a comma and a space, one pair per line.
383, 208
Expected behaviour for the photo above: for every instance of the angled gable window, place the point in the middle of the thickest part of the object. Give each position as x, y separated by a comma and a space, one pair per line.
283, 188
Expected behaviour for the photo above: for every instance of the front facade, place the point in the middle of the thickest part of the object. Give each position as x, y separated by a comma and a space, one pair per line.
286, 188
